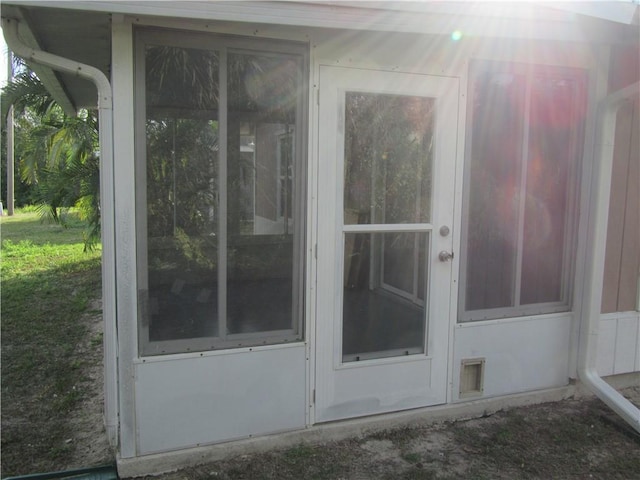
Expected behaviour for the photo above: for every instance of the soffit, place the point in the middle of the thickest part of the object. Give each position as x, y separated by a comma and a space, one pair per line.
81, 36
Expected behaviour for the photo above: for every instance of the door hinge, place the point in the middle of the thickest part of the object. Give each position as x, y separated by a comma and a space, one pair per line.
315, 251
313, 397
318, 97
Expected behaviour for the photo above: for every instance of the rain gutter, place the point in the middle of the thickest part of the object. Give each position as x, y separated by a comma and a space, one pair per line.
596, 246
107, 210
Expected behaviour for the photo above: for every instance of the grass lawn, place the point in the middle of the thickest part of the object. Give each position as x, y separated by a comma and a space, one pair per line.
49, 283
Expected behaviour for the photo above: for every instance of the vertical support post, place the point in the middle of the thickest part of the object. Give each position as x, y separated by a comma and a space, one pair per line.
10, 163
223, 183
10, 146
124, 339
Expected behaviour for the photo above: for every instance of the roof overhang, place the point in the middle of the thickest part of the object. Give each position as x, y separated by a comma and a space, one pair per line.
81, 30
77, 35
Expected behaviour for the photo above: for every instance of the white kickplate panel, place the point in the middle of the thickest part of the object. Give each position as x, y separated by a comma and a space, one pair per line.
521, 354
187, 401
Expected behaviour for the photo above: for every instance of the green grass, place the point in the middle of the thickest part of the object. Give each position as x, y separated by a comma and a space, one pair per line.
48, 283
27, 225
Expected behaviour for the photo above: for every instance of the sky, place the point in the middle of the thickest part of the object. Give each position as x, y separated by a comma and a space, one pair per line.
3, 60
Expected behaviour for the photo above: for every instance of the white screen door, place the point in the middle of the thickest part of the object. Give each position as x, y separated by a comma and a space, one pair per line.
387, 150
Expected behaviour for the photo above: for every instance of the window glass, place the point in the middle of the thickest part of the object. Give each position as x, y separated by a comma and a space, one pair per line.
219, 251
525, 145
494, 191
388, 142
551, 152
263, 92
182, 198
383, 305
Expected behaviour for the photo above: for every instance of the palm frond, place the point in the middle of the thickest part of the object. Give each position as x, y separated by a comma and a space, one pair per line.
25, 91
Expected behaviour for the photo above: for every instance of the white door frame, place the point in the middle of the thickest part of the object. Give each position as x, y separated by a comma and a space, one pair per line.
354, 389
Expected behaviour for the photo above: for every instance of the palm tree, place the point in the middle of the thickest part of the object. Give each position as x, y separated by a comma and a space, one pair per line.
56, 154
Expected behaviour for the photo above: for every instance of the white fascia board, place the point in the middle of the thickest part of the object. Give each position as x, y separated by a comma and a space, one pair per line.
431, 19
46, 75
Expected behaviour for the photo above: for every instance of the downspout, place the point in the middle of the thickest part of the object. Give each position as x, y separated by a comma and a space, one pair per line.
596, 246
105, 119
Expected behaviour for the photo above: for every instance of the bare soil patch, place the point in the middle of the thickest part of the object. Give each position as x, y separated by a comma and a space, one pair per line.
39, 434
572, 439
88, 436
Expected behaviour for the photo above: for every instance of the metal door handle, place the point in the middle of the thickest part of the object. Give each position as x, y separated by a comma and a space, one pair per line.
445, 256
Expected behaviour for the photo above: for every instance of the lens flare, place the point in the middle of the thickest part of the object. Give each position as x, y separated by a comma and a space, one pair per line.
456, 35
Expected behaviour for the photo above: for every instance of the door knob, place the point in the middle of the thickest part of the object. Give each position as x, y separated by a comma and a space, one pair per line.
445, 256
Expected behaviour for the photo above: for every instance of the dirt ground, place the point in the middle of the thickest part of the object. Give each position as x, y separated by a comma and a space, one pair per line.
89, 436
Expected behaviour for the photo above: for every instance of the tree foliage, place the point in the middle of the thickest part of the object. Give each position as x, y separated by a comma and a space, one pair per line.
56, 155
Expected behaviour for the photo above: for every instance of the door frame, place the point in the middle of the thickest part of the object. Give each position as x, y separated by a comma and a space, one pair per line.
320, 239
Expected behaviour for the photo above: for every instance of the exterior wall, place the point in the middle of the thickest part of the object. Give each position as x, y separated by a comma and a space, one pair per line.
522, 354
172, 402
622, 260
163, 401
619, 336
